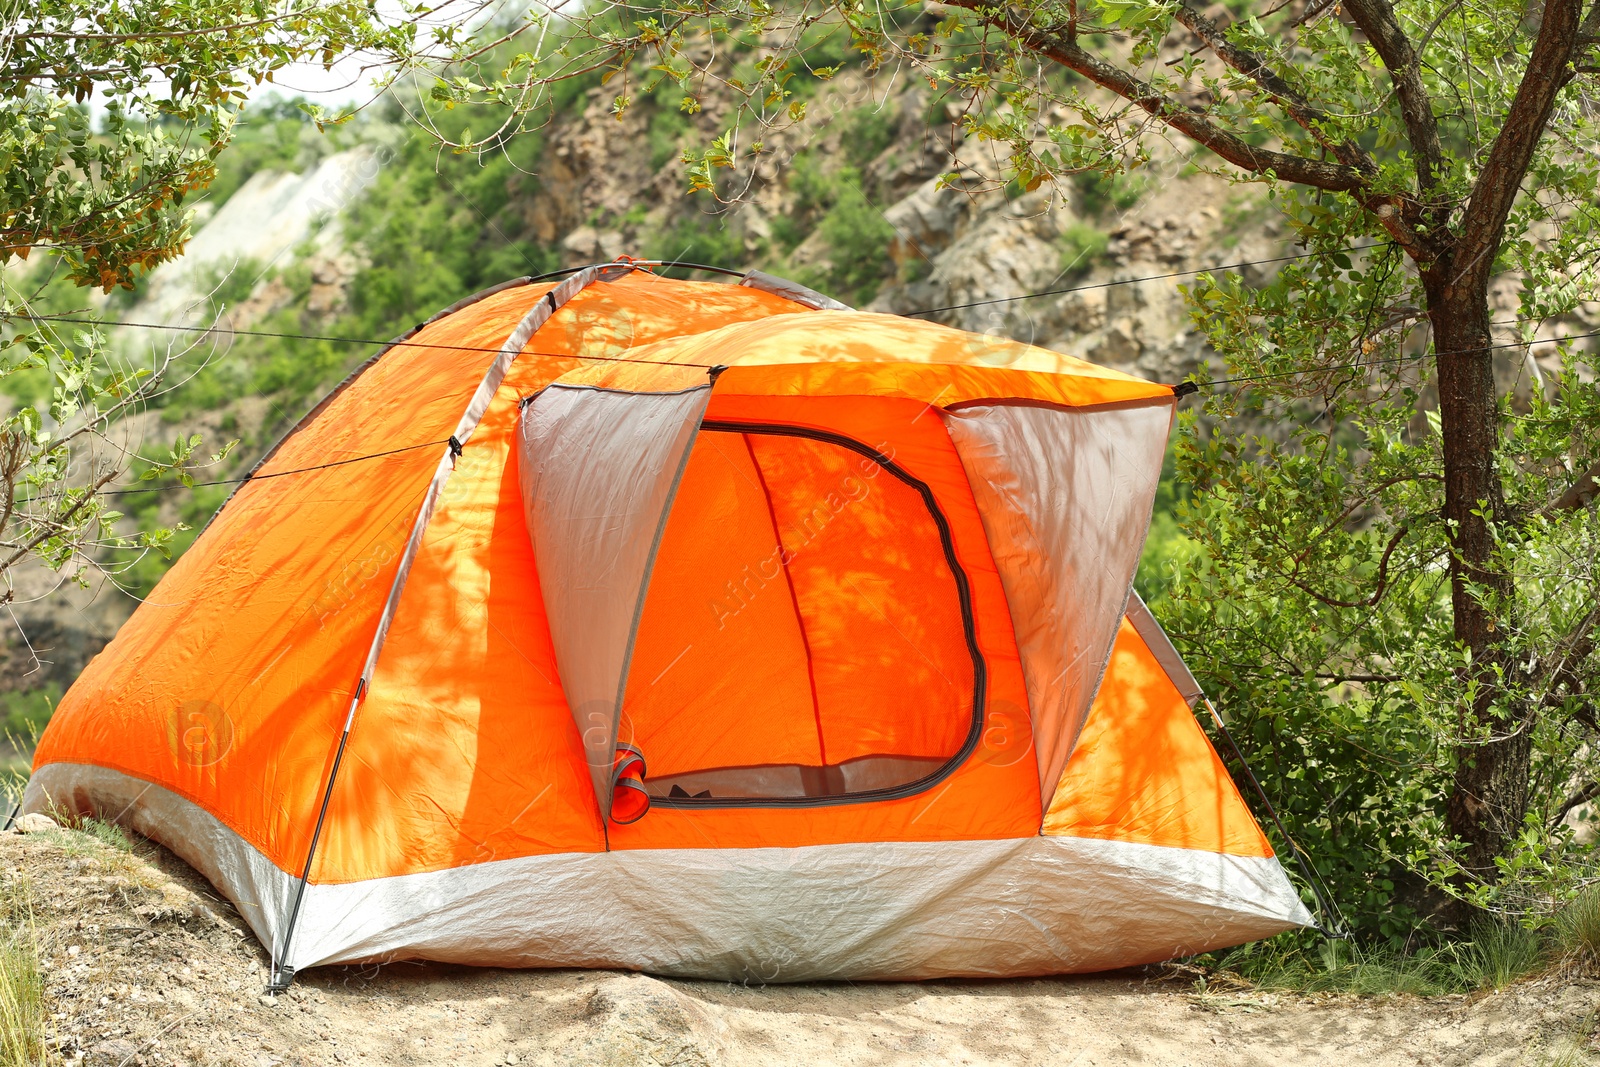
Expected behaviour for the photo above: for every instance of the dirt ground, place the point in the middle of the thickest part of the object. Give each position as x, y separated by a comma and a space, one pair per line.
145, 965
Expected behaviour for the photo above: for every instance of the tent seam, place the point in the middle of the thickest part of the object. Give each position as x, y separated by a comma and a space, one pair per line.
794, 599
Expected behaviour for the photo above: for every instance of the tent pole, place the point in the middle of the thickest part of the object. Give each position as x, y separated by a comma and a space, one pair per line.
281, 974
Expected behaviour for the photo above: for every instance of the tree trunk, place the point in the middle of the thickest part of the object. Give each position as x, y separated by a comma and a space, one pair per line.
1490, 793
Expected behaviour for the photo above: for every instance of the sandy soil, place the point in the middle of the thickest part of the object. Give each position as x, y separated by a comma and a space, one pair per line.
144, 965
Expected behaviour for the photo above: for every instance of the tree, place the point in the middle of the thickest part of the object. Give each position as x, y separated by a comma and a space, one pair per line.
1422, 149
107, 204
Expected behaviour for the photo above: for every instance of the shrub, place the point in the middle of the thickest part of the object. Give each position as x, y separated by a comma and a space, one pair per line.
857, 236
699, 237
1497, 954
867, 132
1081, 248
23, 713
1099, 193
668, 124
84, 836
1341, 967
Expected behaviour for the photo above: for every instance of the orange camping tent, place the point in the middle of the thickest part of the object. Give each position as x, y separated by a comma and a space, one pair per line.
704, 629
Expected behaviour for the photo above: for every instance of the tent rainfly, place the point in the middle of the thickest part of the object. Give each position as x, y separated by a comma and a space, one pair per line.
711, 630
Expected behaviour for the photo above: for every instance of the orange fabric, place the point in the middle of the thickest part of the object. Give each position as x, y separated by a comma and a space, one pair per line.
1145, 772
465, 750
257, 633
839, 353
230, 685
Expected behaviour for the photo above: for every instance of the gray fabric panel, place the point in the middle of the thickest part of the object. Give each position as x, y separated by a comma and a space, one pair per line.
1065, 497
598, 470
260, 891
867, 911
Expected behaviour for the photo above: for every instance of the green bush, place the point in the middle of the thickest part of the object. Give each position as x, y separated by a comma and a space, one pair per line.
25, 711
857, 238
1098, 194
699, 238
1081, 246
867, 132
667, 127
230, 288
814, 192
272, 134
1499, 953
1167, 551
108, 834
1342, 967
1496, 955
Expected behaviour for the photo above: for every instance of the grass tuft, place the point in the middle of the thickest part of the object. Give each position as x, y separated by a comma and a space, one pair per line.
1498, 954
21, 983
1577, 926
101, 844
79, 836
1493, 957
107, 833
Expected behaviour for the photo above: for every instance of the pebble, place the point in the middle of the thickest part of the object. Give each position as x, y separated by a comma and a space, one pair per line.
34, 822
266, 1000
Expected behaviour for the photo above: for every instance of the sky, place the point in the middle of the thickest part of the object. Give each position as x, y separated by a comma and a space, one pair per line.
342, 85
346, 83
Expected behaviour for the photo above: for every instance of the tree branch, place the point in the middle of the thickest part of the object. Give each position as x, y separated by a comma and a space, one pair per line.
1312, 11
1588, 37
1396, 213
1581, 493
58, 521
1589, 791
1377, 20
1365, 679
1377, 594
1501, 178
1589, 32
1255, 67
1356, 505
1319, 174
197, 31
